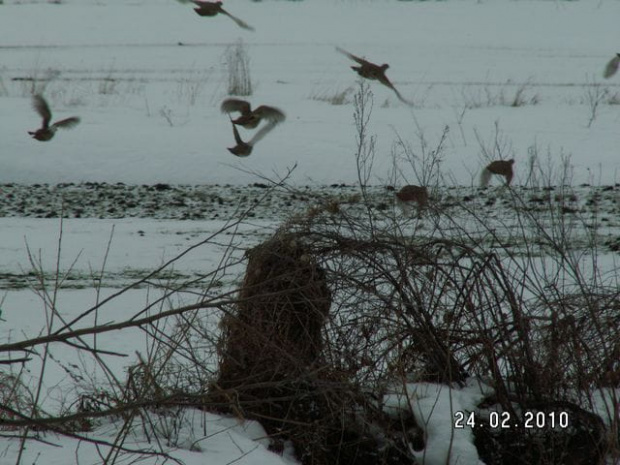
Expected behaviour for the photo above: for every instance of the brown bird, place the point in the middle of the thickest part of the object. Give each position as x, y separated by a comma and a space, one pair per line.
373, 72
409, 195
47, 131
214, 8
612, 66
244, 149
499, 167
249, 118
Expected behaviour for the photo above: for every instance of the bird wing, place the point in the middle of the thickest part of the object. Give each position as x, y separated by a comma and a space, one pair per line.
238, 139
361, 61
383, 79
234, 104
272, 114
67, 123
42, 108
262, 132
239, 22
612, 67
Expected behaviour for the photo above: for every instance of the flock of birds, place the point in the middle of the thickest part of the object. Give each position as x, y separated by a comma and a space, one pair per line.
250, 119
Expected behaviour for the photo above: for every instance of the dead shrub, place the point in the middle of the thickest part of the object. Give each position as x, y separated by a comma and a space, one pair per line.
272, 367
276, 331
14, 398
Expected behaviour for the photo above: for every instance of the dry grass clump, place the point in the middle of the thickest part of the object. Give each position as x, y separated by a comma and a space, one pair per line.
276, 331
272, 360
14, 397
238, 60
335, 97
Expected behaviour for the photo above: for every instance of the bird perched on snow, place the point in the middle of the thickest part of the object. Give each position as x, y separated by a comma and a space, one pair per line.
249, 118
47, 130
612, 66
213, 9
244, 149
411, 194
373, 72
499, 167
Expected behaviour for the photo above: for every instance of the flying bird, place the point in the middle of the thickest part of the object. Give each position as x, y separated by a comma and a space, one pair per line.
244, 149
373, 72
612, 66
47, 130
249, 118
204, 8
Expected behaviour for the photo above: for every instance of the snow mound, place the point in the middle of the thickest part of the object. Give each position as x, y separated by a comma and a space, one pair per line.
434, 407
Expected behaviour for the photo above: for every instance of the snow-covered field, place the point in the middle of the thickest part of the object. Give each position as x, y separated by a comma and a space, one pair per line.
147, 78
508, 79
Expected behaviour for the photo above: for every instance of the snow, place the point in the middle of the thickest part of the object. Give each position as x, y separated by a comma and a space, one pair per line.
603, 402
147, 78
435, 407
223, 441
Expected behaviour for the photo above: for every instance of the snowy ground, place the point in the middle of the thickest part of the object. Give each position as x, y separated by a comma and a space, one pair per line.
124, 232
147, 78
106, 246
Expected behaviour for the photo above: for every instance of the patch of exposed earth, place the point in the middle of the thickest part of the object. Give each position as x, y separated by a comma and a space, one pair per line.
188, 202
491, 217
158, 201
